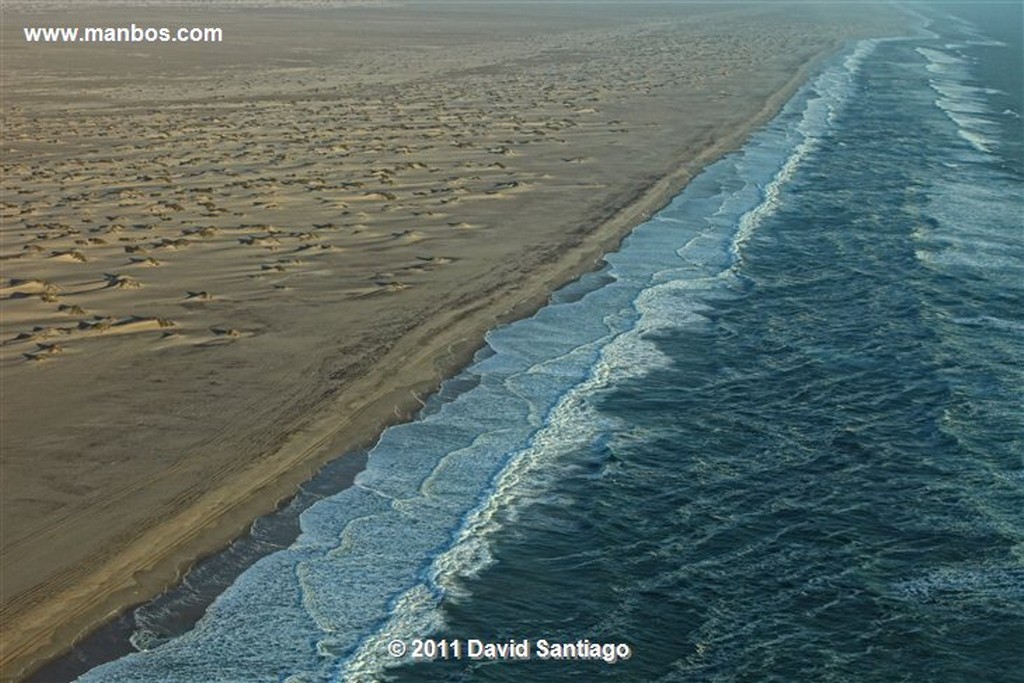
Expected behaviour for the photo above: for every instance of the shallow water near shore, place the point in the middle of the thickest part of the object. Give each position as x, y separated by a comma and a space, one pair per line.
777, 437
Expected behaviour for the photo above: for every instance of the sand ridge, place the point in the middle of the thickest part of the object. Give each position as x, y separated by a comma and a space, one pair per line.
220, 271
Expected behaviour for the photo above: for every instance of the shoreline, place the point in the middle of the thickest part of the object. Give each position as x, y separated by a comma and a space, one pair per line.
257, 256
430, 354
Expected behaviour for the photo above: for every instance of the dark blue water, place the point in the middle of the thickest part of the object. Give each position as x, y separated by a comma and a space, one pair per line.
779, 437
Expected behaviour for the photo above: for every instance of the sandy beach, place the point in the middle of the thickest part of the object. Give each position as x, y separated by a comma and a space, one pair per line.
225, 264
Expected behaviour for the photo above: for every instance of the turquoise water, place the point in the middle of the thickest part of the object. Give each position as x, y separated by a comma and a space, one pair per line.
777, 437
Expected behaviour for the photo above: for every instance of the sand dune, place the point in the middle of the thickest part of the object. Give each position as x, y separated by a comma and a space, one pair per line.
291, 234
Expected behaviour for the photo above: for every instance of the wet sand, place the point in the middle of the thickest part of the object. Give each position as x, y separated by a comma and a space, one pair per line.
225, 264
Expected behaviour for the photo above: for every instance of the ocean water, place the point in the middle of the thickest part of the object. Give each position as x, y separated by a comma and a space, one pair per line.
778, 437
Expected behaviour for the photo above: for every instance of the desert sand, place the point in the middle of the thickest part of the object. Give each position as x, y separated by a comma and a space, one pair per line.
225, 264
